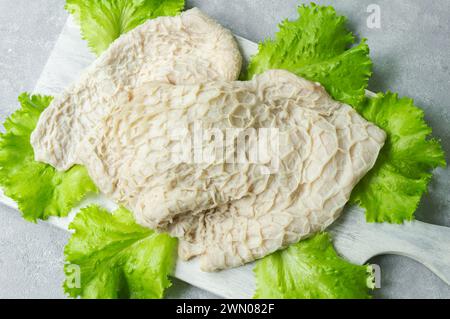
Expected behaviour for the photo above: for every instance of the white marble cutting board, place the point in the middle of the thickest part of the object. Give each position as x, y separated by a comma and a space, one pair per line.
354, 239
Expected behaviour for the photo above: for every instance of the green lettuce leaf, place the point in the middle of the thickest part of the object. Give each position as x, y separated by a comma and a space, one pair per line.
316, 47
311, 269
392, 190
103, 21
110, 256
39, 190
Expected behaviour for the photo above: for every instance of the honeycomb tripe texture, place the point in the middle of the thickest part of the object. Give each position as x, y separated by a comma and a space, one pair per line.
189, 48
230, 213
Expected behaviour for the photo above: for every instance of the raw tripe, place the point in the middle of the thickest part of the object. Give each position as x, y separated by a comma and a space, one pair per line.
233, 213
187, 49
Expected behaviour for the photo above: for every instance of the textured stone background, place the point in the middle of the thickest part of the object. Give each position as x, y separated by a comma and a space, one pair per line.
411, 53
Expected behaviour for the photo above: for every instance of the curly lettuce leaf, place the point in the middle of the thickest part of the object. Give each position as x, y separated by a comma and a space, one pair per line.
39, 190
316, 47
110, 256
392, 190
311, 269
103, 21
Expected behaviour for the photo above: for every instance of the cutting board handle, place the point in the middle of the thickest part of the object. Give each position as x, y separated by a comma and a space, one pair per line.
425, 243
358, 241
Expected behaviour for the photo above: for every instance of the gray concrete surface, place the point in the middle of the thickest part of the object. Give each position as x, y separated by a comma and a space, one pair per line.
411, 53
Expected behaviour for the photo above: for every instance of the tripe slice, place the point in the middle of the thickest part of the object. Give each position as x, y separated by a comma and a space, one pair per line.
189, 48
233, 213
